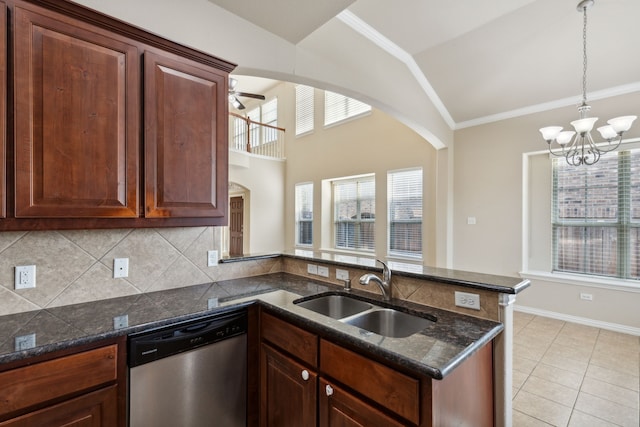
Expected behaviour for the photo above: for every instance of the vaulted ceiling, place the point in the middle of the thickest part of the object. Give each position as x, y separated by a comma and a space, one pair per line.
436, 65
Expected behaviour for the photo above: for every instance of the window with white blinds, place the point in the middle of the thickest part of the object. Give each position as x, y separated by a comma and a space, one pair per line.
339, 107
304, 109
596, 216
404, 193
269, 116
354, 213
304, 214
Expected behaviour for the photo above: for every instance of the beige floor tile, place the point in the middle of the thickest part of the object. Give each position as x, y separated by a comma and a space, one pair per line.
576, 341
519, 378
621, 361
549, 390
557, 375
547, 323
614, 377
619, 338
533, 353
543, 409
583, 331
523, 420
580, 419
614, 393
524, 365
578, 354
561, 361
607, 410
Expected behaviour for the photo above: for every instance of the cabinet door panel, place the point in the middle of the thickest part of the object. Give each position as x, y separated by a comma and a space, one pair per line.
287, 399
77, 120
185, 138
340, 409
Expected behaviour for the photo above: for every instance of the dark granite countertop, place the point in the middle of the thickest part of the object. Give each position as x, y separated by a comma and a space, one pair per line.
490, 282
435, 351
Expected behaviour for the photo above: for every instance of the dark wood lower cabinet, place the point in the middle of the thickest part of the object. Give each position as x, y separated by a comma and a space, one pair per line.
290, 389
95, 409
338, 408
301, 370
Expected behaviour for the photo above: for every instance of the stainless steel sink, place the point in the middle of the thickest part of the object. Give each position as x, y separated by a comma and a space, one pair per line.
389, 323
335, 306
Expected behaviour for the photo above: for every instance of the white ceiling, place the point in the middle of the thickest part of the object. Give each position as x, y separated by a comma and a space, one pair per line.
476, 61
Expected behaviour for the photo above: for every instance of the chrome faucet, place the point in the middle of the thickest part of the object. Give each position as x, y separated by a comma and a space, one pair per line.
384, 284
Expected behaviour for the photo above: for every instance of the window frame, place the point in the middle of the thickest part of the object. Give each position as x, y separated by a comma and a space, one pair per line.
359, 224
305, 109
298, 217
354, 109
393, 201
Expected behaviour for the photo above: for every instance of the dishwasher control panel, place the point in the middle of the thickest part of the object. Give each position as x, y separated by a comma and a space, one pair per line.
147, 346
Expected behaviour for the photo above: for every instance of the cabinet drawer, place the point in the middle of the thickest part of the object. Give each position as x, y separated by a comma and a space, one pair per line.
293, 340
389, 388
28, 386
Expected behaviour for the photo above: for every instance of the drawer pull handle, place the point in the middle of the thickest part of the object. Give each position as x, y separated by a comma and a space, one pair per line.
329, 390
305, 374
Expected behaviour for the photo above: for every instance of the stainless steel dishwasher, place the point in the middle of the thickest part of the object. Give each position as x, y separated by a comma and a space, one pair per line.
190, 374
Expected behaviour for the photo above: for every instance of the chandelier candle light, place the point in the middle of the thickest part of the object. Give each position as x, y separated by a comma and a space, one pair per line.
578, 146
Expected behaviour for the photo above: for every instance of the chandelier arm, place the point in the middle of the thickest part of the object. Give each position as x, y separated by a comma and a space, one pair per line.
611, 147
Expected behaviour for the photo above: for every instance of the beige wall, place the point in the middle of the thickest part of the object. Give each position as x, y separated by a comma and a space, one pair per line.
488, 184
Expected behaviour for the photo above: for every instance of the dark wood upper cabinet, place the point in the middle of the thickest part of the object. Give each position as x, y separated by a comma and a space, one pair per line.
3, 109
186, 148
77, 116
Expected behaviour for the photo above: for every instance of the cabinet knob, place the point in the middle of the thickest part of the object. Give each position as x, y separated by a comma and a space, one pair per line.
305, 374
329, 390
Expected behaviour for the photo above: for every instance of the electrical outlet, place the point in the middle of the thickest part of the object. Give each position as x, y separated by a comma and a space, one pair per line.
25, 342
323, 271
467, 300
312, 269
342, 274
120, 322
586, 297
212, 258
120, 267
212, 303
25, 277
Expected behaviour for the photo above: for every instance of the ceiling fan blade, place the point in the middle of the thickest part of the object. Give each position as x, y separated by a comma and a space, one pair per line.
239, 105
232, 84
250, 95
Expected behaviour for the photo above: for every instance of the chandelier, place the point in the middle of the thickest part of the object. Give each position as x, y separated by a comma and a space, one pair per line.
578, 146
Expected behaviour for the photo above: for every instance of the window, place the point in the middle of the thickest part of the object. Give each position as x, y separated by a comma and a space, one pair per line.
304, 214
339, 107
354, 213
404, 190
304, 109
596, 216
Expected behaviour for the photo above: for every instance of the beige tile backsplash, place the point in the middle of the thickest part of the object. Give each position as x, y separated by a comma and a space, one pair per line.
77, 266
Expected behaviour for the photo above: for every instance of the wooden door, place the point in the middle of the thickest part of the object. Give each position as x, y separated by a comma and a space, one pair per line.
236, 221
337, 408
77, 118
186, 147
287, 391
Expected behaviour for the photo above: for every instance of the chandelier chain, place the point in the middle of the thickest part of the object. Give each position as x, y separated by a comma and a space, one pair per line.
584, 56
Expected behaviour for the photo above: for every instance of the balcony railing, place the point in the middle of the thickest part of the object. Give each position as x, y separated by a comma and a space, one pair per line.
254, 137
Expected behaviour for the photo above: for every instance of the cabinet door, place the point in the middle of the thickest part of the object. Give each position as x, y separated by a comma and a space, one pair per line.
337, 408
287, 391
77, 115
186, 147
95, 409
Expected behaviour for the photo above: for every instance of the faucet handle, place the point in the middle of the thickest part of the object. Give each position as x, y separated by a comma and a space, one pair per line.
386, 271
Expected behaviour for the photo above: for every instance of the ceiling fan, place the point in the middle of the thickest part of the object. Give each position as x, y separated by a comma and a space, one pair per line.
233, 94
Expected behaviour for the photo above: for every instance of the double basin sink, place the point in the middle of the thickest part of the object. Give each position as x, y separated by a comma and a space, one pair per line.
365, 315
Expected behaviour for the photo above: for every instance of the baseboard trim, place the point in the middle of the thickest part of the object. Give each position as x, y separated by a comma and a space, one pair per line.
616, 327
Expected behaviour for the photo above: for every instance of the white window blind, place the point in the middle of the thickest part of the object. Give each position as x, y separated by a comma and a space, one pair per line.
339, 107
304, 109
596, 216
304, 214
354, 213
269, 116
404, 193
254, 129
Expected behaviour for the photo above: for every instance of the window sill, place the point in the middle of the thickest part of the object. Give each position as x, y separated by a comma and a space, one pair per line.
580, 280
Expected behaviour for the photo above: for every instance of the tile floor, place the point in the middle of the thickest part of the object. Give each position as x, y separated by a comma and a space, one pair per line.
565, 374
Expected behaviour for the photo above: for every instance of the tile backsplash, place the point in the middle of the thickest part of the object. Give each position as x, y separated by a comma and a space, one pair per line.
74, 266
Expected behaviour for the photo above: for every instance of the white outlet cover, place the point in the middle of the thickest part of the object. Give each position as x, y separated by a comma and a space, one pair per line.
467, 300
342, 274
25, 342
25, 277
212, 258
323, 271
312, 269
